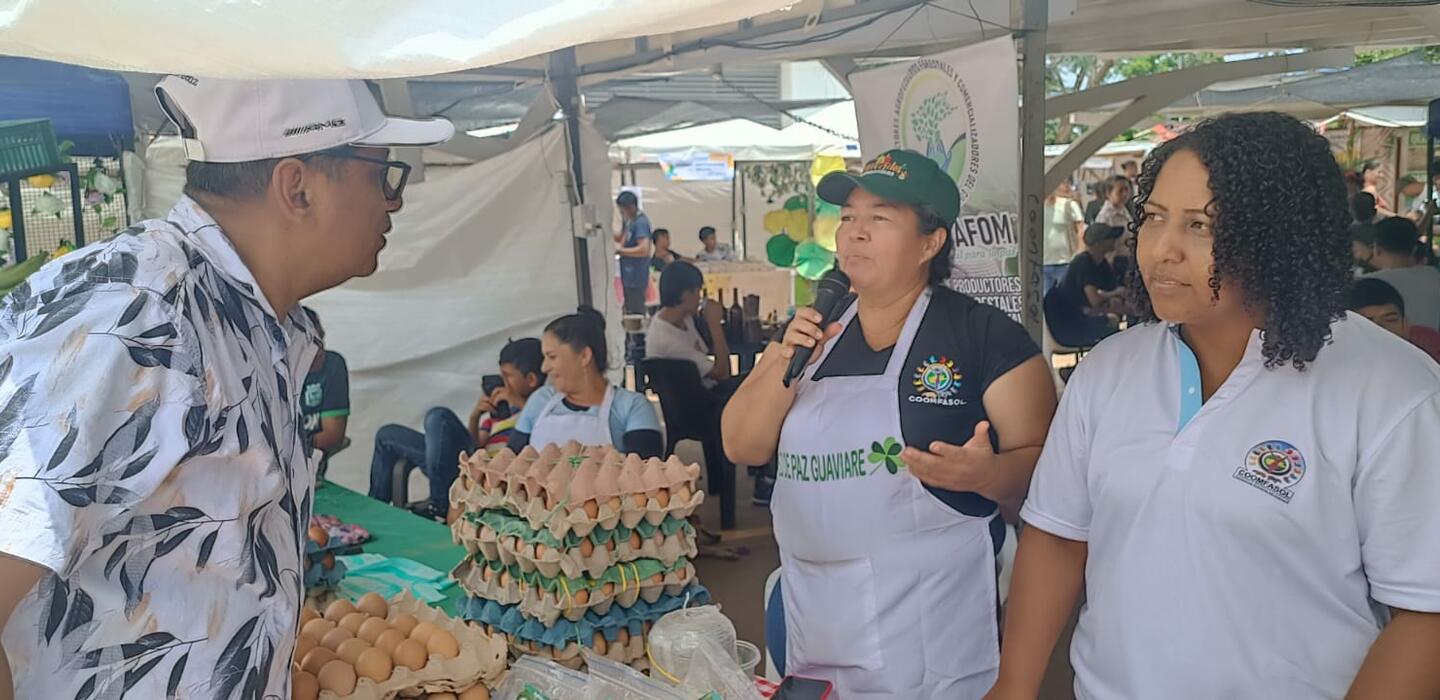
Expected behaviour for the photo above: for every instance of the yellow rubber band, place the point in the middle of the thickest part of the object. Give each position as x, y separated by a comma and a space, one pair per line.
657, 667
569, 600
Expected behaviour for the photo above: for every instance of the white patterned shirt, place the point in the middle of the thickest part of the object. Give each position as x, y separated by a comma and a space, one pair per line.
151, 458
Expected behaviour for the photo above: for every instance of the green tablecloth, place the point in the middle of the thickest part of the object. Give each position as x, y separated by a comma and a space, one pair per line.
394, 532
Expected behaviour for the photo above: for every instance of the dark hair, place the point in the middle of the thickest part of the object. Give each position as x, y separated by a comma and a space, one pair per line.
583, 329
525, 356
706, 231
679, 277
1369, 291
660, 232
314, 320
1398, 235
1362, 206
929, 221
1115, 181
1279, 226
627, 199
243, 181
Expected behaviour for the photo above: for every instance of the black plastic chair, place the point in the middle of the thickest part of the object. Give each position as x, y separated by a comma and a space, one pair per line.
692, 412
325, 458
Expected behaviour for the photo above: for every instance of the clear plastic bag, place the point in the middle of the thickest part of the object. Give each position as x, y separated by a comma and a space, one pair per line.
676, 636
713, 672
610, 680
534, 678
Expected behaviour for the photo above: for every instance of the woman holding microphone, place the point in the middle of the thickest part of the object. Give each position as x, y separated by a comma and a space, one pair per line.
917, 422
1246, 485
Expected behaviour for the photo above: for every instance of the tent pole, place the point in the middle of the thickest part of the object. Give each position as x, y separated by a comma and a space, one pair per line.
563, 78
1032, 162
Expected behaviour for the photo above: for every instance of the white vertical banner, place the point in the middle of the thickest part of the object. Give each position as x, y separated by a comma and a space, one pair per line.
962, 110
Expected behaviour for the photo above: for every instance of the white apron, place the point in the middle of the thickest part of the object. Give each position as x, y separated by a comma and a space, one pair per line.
558, 429
888, 592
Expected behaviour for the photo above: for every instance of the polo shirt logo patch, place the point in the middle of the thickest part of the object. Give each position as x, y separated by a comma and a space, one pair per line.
1275, 467
937, 382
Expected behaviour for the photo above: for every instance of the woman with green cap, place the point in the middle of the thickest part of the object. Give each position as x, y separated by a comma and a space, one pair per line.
916, 424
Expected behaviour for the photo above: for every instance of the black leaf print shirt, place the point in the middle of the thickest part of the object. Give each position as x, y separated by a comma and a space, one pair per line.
151, 458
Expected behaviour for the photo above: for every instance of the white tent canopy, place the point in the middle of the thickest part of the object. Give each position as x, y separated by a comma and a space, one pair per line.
745, 140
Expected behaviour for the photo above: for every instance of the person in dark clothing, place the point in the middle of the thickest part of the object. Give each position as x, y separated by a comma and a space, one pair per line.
436, 451
1078, 311
325, 400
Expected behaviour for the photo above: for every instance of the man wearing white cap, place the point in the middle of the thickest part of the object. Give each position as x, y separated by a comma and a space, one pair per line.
155, 486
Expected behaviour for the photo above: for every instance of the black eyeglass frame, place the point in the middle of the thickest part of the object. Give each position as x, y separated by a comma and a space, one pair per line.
347, 154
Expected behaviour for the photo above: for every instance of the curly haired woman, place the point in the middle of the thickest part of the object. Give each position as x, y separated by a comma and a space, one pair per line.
1246, 483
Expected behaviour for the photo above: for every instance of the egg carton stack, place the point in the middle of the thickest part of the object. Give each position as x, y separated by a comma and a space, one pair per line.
322, 572
376, 650
575, 547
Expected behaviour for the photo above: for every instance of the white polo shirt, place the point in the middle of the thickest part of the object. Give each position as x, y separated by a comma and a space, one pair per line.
1242, 553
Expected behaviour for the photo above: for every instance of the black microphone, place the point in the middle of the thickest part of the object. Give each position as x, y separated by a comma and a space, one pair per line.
832, 288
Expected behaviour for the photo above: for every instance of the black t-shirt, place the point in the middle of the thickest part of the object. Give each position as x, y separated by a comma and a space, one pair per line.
963, 346
1084, 271
326, 393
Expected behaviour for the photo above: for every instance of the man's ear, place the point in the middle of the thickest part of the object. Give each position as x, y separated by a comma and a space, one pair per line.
289, 183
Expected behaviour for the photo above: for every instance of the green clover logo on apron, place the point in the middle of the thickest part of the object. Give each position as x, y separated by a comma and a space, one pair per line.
887, 454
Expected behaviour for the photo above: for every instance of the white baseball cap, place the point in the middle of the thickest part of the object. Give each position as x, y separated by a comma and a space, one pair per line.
236, 121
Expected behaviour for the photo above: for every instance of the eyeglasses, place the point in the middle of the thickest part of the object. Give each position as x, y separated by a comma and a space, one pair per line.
393, 178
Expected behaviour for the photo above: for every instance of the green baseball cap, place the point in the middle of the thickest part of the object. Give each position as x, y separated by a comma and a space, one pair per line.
899, 176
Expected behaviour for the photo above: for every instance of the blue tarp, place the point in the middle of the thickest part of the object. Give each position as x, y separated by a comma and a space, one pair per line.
87, 106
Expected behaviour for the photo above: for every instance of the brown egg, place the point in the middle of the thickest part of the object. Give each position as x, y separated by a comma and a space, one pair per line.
405, 623
422, 632
634, 539
319, 535
540, 550
683, 494
334, 638
351, 649
338, 610
610, 545
303, 645
316, 659
486, 573
657, 578
504, 578
582, 598
316, 629
638, 501
375, 665
479, 692
353, 621
443, 644
663, 498
338, 677
304, 686
373, 605
372, 629
592, 510
441, 696
411, 655
599, 644
607, 590
586, 547
623, 637
389, 640
519, 544
614, 504
328, 562
308, 614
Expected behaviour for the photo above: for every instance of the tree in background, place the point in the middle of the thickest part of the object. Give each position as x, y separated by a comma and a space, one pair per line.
1069, 74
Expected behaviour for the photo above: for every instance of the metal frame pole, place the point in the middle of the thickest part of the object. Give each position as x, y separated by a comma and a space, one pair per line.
1032, 163
563, 78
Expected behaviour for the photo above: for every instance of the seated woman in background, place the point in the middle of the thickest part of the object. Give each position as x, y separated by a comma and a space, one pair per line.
579, 403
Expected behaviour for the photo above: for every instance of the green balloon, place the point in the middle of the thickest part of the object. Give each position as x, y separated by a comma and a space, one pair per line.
797, 203
780, 250
812, 260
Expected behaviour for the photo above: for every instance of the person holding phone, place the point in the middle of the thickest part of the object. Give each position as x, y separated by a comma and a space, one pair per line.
436, 451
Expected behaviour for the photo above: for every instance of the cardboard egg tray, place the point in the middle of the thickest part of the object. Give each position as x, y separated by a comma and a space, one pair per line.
574, 556
627, 651
482, 659
548, 601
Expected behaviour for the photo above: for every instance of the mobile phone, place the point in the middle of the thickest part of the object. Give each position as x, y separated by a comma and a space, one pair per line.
490, 382
797, 688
